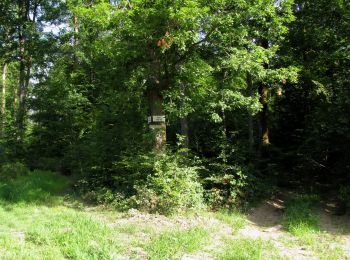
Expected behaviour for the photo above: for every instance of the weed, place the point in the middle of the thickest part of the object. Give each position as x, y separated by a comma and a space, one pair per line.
174, 243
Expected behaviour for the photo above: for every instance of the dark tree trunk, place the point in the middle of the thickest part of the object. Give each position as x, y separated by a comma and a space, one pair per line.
184, 120
22, 84
250, 90
3, 98
185, 131
263, 94
156, 119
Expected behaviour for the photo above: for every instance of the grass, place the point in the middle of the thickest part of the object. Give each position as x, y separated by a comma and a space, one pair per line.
300, 218
249, 249
235, 219
37, 187
302, 221
37, 222
174, 243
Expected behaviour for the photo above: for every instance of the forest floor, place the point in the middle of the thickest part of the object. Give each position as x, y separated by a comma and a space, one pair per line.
39, 221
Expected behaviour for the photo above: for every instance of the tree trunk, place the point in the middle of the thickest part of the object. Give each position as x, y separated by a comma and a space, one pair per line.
250, 90
76, 30
185, 131
22, 89
15, 102
3, 98
184, 120
263, 92
156, 119
24, 15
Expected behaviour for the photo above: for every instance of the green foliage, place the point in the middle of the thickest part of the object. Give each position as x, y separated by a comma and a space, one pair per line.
171, 186
229, 183
83, 95
35, 187
226, 186
13, 170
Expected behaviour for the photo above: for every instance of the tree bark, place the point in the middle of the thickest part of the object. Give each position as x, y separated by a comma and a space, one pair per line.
3, 98
22, 89
250, 90
76, 30
24, 15
184, 121
263, 94
185, 131
156, 119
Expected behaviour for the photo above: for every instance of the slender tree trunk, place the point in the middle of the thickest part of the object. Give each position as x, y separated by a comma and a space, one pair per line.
263, 93
15, 102
156, 119
185, 131
24, 15
3, 98
250, 117
22, 85
25, 63
76, 30
184, 121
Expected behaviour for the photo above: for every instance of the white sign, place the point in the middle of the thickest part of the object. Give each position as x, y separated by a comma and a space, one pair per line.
156, 119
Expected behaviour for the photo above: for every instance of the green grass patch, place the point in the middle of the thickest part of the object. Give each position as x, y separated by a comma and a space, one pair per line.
299, 217
234, 219
174, 243
35, 232
35, 224
36, 187
248, 249
302, 221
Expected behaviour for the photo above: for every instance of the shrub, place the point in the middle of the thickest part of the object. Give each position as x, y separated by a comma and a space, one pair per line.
229, 185
172, 186
13, 170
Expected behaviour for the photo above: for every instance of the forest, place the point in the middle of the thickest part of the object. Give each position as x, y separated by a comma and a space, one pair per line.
175, 129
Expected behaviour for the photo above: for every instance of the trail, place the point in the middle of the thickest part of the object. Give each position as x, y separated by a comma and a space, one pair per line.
265, 222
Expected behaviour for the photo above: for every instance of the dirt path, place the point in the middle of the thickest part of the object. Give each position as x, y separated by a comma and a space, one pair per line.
264, 222
337, 226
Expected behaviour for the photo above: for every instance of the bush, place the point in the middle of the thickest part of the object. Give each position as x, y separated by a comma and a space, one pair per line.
230, 185
13, 170
172, 186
